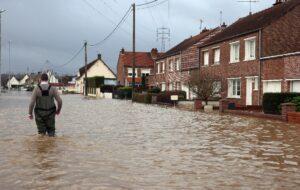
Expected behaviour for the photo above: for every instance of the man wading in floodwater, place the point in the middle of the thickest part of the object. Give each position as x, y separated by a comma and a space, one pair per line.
42, 100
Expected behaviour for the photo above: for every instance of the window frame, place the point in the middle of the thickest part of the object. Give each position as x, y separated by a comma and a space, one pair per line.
232, 50
234, 86
219, 57
248, 49
205, 52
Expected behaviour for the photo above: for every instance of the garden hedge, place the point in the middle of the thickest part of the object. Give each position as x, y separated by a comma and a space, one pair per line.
272, 101
123, 93
142, 98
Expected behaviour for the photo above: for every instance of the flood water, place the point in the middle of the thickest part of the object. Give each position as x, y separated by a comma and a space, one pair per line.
111, 144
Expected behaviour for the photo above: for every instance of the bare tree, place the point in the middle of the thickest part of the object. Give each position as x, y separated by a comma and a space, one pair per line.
204, 85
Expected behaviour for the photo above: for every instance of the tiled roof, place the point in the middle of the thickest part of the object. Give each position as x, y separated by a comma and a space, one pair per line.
142, 59
254, 22
187, 43
82, 69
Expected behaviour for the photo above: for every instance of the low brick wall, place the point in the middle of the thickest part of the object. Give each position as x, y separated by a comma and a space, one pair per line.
254, 114
293, 117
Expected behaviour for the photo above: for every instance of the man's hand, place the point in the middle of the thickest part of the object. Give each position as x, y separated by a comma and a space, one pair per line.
30, 117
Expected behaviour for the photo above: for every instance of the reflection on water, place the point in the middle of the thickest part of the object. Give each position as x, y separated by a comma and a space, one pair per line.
109, 144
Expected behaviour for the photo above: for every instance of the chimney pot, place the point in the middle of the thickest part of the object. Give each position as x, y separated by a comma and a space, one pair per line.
99, 56
122, 51
154, 53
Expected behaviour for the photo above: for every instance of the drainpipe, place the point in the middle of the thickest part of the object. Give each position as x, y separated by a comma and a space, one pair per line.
260, 68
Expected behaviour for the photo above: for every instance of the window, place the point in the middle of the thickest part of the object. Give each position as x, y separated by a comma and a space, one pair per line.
255, 83
177, 64
129, 71
234, 52
250, 49
295, 86
178, 85
163, 67
170, 65
206, 58
163, 86
217, 56
234, 88
217, 88
170, 86
158, 68
272, 86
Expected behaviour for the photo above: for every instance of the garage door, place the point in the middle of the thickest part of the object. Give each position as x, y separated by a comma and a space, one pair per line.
272, 86
295, 86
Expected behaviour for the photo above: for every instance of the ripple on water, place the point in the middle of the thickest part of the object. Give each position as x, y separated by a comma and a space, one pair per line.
111, 144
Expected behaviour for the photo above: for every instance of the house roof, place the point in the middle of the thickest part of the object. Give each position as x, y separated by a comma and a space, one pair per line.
187, 43
254, 22
142, 59
82, 69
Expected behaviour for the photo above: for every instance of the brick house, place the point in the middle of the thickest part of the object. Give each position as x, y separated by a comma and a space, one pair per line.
257, 54
144, 66
173, 68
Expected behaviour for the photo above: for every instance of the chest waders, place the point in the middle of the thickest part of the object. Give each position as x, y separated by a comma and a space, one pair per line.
45, 112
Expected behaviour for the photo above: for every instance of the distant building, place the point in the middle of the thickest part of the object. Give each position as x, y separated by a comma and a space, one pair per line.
96, 68
144, 66
13, 82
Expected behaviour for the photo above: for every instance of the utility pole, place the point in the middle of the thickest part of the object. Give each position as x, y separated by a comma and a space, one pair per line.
85, 73
133, 47
1, 11
9, 71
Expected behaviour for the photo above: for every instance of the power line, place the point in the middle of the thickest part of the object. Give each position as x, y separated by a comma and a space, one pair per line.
147, 3
115, 29
71, 59
155, 5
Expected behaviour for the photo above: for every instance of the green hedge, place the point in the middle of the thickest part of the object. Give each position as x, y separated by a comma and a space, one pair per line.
272, 101
123, 93
142, 98
154, 90
296, 100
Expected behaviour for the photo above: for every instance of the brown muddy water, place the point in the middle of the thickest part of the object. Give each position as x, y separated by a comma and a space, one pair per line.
111, 144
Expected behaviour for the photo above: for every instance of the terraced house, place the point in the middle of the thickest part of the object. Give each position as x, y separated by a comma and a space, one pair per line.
257, 54
172, 69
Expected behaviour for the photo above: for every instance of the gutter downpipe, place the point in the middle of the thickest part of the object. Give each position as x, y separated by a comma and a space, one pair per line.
260, 68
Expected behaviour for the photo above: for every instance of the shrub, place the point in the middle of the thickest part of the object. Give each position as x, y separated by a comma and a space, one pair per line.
142, 98
154, 90
272, 101
296, 100
165, 97
123, 92
107, 88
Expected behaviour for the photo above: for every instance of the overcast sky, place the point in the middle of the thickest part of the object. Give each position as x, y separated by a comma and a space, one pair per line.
55, 30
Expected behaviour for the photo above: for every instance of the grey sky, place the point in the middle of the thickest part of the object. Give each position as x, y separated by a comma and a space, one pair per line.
54, 30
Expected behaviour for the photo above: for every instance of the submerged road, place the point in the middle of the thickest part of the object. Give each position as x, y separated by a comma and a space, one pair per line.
111, 144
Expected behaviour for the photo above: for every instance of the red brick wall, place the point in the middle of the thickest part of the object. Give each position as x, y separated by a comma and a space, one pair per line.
120, 72
282, 36
227, 70
189, 58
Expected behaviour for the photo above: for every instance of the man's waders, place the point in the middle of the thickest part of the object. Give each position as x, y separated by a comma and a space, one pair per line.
45, 112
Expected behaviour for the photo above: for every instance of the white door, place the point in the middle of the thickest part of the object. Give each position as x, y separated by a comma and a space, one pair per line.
249, 92
295, 86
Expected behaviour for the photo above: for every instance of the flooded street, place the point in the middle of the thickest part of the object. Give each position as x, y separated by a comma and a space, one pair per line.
111, 144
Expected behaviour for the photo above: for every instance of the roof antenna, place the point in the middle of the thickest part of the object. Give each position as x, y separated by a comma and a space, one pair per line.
250, 4
201, 22
221, 18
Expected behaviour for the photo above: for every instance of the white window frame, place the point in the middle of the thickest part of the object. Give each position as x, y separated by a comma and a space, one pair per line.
248, 50
217, 58
177, 62
163, 67
234, 86
206, 58
129, 71
265, 87
234, 56
158, 68
292, 85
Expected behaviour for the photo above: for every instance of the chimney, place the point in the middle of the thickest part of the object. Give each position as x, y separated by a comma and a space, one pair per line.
204, 30
278, 2
223, 26
99, 56
154, 53
122, 51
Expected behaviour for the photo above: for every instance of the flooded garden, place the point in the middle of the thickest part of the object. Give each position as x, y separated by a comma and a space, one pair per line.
112, 144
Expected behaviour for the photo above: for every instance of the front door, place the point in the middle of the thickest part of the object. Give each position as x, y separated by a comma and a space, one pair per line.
249, 91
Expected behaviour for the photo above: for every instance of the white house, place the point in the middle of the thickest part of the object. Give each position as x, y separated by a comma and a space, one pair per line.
97, 68
13, 82
23, 80
52, 78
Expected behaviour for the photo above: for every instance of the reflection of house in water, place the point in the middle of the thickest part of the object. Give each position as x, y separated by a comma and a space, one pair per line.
97, 68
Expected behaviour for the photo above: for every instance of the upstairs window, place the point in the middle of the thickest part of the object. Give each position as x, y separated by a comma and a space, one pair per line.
129, 71
206, 58
234, 52
163, 67
170, 65
250, 49
177, 64
217, 56
158, 68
